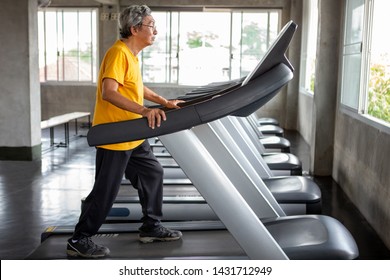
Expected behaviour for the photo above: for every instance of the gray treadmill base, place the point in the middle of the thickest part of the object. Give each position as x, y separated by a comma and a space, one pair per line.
301, 237
217, 244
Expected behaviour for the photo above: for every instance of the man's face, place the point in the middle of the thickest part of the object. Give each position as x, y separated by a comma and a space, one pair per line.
148, 30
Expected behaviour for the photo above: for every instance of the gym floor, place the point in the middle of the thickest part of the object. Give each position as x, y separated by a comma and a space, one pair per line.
39, 194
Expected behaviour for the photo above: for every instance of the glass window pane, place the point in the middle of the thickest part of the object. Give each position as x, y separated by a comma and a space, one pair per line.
352, 57
60, 45
204, 47
351, 80
51, 46
354, 21
94, 45
174, 54
71, 46
274, 26
379, 80
156, 58
309, 46
252, 34
85, 46
236, 66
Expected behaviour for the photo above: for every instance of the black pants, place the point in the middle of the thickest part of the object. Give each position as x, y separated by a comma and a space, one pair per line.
144, 172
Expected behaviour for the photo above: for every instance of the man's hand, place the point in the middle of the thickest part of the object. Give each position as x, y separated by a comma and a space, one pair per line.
154, 116
172, 104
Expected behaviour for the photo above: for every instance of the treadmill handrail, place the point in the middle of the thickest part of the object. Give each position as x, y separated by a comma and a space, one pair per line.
254, 95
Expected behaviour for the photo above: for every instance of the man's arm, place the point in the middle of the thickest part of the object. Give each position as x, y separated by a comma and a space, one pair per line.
154, 97
110, 94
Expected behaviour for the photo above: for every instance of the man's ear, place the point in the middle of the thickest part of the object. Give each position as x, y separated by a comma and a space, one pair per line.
133, 30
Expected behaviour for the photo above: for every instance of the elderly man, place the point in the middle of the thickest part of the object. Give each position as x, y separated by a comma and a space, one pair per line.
120, 96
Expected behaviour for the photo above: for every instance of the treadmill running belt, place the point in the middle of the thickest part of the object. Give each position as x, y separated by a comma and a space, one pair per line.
197, 244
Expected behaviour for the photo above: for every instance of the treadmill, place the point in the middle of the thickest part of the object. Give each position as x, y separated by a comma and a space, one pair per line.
295, 195
246, 236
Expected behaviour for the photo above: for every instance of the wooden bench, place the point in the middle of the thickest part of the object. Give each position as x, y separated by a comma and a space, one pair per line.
64, 119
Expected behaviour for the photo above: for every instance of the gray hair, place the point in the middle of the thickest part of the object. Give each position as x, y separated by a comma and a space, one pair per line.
132, 16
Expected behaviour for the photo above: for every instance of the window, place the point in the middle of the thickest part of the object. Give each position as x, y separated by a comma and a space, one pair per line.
309, 46
366, 60
67, 44
196, 48
378, 98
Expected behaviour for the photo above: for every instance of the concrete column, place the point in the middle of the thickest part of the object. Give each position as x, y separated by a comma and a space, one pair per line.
325, 88
109, 31
20, 107
294, 54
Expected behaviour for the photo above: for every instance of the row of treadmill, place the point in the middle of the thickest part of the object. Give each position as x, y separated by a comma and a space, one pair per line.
231, 184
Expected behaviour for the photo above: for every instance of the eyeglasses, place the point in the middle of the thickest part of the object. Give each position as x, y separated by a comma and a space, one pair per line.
150, 26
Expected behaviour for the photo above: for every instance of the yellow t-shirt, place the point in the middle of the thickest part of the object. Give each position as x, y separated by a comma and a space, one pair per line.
121, 65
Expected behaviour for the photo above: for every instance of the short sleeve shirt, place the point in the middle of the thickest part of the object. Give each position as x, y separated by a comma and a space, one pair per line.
121, 65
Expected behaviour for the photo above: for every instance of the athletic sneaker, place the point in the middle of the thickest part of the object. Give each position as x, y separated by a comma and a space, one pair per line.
86, 248
158, 233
